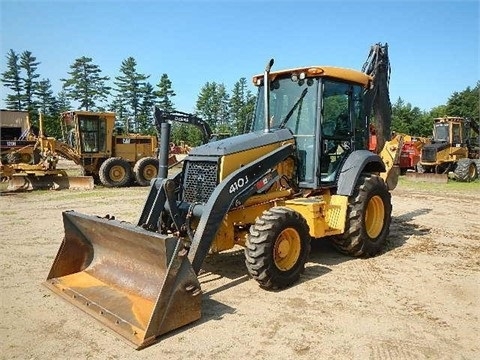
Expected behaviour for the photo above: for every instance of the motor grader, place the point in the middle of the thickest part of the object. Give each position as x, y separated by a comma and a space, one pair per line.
301, 174
90, 140
113, 158
29, 158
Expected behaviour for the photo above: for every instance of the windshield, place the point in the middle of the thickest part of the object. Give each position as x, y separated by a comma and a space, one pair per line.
292, 105
441, 132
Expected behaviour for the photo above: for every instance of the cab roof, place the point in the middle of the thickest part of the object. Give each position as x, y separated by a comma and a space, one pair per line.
346, 74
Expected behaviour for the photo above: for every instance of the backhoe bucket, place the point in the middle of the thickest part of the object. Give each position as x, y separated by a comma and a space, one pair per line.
427, 177
138, 283
49, 182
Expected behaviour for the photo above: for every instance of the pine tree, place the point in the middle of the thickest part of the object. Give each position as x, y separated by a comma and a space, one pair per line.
164, 94
44, 97
29, 63
242, 104
62, 102
47, 105
146, 110
212, 106
119, 106
86, 85
130, 85
12, 80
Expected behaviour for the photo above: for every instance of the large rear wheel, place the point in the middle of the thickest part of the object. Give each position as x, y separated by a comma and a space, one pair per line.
145, 170
466, 170
115, 172
277, 248
368, 218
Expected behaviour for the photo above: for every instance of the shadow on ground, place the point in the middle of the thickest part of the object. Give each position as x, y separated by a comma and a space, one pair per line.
231, 265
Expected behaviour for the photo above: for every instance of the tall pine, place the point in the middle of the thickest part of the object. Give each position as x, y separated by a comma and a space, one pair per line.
212, 106
164, 94
29, 64
11, 79
242, 104
86, 85
130, 86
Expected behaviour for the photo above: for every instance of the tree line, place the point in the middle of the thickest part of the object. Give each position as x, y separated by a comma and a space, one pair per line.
133, 96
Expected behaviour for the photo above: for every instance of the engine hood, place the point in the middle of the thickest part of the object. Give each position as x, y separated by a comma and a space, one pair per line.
241, 143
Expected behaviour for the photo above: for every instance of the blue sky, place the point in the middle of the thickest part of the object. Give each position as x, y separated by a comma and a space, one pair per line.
433, 45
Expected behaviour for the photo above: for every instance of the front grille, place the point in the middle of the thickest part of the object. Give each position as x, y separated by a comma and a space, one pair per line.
429, 154
200, 179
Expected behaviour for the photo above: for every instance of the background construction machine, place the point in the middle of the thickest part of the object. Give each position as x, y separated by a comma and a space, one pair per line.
89, 140
454, 151
114, 159
411, 152
29, 158
302, 173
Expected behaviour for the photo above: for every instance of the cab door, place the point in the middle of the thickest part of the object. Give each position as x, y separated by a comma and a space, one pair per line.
341, 118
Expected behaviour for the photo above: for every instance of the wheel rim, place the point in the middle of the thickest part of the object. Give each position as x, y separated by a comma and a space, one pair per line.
26, 158
117, 173
472, 171
374, 216
287, 249
149, 172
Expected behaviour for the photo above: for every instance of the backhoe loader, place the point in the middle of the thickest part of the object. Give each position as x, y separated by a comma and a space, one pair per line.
302, 173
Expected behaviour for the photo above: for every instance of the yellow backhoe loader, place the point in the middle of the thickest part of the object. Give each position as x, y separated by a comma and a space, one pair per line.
302, 173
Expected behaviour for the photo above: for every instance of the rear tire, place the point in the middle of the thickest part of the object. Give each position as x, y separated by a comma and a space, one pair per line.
466, 170
369, 215
115, 172
477, 163
145, 170
277, 248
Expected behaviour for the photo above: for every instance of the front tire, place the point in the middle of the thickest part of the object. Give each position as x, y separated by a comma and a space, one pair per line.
145, 170
369, 215
115, 172
277, 248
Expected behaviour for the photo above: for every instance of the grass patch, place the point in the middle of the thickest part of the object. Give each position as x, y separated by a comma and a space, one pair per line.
451, 185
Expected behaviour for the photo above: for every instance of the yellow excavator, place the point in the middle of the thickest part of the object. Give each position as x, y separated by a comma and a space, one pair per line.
301, 174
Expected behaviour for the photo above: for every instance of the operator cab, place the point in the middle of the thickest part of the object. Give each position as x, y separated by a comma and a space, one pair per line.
449, 130
84, 132
325, 115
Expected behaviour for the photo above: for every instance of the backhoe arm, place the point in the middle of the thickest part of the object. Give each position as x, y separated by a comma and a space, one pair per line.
185, 118
377, 98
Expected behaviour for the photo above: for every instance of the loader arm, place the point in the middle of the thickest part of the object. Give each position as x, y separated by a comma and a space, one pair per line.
225, 195
228, 192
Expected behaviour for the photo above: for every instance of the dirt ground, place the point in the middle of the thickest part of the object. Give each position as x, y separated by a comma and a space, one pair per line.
420, 299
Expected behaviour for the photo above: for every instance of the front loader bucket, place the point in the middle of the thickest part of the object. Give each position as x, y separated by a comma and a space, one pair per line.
49, 182
138, 283
427, 177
